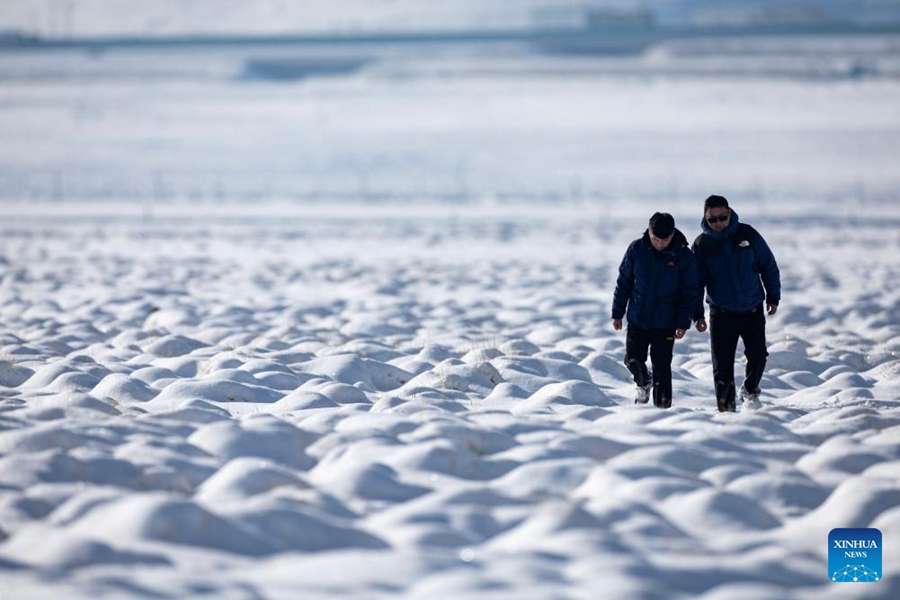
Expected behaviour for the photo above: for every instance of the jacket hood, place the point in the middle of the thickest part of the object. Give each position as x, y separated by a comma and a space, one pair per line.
732, 227
678, 239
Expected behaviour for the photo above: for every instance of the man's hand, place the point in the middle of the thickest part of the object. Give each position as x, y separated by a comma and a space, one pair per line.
771, 309
617, 324
679, 333
700, 325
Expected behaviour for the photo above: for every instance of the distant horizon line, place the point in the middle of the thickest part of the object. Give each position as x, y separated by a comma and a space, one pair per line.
648, 34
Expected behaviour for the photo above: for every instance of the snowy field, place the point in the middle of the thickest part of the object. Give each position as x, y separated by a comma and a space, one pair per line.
350, 337
773, 122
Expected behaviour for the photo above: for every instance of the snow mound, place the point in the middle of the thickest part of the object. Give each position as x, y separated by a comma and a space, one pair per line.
161, 518
261, 437
553, 396
58, 551
223, 391
243, 477
124, 389
13, 376
174, 345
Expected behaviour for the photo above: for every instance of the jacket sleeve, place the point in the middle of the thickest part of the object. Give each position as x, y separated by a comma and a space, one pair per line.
689, 292
768, 270
702, 279
624, 284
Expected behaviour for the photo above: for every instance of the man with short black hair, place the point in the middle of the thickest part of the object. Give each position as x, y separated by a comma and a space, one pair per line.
739, 273
657, 284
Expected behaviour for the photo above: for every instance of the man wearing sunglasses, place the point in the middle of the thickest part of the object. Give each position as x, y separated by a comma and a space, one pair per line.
739, 273
657, 284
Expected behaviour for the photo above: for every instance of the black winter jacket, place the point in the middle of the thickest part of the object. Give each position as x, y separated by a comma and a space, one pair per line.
733, 266
660, 289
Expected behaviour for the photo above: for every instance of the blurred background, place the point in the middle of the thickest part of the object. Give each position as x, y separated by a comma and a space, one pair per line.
591, 102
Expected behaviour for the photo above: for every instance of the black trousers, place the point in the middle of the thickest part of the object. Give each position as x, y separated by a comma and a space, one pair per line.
725, 328
660, 343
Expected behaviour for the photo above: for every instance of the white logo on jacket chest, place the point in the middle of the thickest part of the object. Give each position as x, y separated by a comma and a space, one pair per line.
744, 244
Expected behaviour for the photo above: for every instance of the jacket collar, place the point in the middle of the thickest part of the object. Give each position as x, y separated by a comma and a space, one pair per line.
725, 233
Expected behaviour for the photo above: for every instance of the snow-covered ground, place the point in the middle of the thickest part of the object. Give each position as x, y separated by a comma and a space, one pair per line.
350, 337
426, 403
454, 123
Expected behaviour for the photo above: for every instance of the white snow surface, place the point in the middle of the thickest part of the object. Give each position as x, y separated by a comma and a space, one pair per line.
425, 402
336, 339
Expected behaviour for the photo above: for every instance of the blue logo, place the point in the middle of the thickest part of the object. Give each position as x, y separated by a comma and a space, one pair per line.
854, 555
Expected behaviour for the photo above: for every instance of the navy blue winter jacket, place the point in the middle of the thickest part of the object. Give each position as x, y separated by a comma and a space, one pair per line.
659, 288
733, 266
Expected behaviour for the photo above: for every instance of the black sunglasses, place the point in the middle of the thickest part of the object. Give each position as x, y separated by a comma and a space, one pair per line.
719, 219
